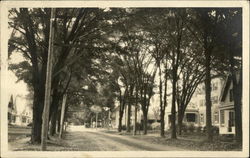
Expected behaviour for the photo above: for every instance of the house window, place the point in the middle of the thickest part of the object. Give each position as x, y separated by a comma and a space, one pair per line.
222, 118
9, 116
14, 118
231, 118
24, 119
231, 95
190, 117
216, 117
201, 118
214, 86
214, 99
201, 102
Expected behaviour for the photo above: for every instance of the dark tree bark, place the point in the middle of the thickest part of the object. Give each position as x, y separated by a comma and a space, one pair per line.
173, 109
164, 107
163, 101
58, 121
121, 109
54, 113
237, 97
162, 112
208, 91
180, 121
37, 116
129, 107
207, 53
53, 124
145, 122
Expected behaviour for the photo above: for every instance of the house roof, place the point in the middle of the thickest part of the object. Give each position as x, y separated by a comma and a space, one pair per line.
225, 88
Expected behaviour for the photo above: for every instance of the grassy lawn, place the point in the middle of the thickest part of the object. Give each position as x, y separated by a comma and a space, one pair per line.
18, 132
191, 141
54, 144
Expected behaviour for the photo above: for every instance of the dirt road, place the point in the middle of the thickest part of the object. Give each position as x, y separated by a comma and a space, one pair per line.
95, 140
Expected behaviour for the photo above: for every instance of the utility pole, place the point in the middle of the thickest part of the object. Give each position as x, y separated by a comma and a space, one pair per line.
62, 114
48, 83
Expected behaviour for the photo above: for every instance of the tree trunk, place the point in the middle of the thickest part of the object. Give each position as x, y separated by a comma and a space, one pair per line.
208, 94
53, 113
145, 123
62, 114
37, 117
120, 122
129, 116
237, 96
180, 118
238, 115
135, 120
121, 110
136, 109
53, 124
162, 109
129, 107
58, 121
164, 105
38, 104
162, 124
173, 108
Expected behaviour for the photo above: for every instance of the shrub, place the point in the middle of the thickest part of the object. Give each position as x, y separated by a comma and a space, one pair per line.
124, 127
215, 129
191, 127
156, 126
184, 128
198, 129
149, 127
139, 126
87, 125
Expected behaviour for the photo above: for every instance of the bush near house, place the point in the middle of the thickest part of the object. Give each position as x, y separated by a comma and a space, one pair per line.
139, 126
215, 129
198, 129
191, 127
156, 126
124, 127
184, 128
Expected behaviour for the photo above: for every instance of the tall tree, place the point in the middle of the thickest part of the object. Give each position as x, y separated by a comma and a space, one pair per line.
155, 23
178, 20
229, 41
30, 37
203, 25
191, 74
25, 39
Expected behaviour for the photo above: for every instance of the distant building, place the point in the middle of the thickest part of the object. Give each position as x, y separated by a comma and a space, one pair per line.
12, 112
222, 109
18, 113
196, 110
226, 108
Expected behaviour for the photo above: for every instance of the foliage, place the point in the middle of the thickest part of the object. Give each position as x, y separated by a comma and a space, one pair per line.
156, 126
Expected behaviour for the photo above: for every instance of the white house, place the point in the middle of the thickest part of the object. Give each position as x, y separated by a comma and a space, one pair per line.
227, 115
18, 112
196, 110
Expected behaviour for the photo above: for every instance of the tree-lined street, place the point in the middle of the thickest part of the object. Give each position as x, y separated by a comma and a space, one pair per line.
103, 67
